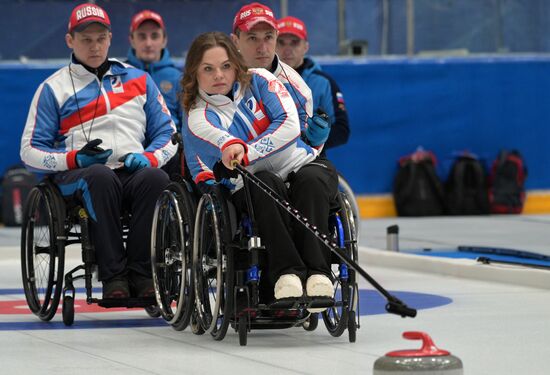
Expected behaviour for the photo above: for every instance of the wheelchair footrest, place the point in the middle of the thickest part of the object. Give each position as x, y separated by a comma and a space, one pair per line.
301, 302
286, 303
126, 302
320, 302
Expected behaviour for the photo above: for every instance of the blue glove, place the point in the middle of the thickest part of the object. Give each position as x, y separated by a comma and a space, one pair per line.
91, 153
318, 128
135, 161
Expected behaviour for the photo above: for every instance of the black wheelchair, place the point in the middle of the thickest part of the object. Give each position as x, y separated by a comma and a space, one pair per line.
49, 226
345, 187
172, 237
207, 268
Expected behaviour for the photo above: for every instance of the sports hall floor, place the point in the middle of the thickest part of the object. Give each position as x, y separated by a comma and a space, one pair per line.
495, 318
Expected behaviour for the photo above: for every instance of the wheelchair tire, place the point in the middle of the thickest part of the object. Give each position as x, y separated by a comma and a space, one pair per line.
153, 311
345, 188
311, 323
67, 310
196, 328
171, 249
352, 327
345, 296
43, 250
212, 267
243, 329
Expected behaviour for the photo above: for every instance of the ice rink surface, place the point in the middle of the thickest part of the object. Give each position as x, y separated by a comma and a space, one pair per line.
494, 327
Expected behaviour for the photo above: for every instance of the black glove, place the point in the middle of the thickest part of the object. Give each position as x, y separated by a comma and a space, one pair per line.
91, 153
221, 172
206, 187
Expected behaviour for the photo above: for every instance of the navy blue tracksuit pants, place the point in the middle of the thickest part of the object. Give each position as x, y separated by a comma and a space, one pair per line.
106, 194
290, 247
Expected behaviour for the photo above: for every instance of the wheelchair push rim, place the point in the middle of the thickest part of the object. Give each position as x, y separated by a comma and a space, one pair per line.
171, 239
210, 270
43, 252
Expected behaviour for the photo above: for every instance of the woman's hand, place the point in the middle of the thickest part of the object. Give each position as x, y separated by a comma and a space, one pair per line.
232, 152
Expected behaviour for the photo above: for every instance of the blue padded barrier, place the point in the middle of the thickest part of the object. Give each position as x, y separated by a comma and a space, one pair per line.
395, 104
445, 105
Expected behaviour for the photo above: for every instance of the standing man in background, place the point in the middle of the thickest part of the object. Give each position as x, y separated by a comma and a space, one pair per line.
292, 46
148, 52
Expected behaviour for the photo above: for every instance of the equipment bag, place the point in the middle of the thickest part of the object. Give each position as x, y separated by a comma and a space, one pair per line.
507, 183
417, 191
466, 190
16, 185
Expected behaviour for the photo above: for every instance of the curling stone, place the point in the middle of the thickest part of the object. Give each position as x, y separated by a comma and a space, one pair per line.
428, 360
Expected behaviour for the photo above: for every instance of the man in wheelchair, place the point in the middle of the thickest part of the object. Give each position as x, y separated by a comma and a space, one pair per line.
101, 129
248, 116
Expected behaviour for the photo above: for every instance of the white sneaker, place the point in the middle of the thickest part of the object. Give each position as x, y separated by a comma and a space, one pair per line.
287, 286
319, 286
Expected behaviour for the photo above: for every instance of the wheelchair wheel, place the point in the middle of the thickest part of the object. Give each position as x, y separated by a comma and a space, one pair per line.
153, 311
67, 310
312, 322
196, 327
212, 268
171, 249
43, 250
243, 329
344, 187
336, 318
352, 327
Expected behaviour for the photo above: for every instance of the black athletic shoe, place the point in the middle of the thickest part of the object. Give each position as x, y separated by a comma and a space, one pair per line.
142, 286
117, 287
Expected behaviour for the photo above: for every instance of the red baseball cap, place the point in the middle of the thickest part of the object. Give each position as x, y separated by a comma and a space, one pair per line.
292, 25
252, 14
146, 15
85, 14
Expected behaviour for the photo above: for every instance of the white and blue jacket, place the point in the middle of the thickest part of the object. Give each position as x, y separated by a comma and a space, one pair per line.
298, 89
167, 78
263, 118
72, 106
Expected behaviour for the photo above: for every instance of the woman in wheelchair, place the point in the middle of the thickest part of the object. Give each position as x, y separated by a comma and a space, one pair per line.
247, 116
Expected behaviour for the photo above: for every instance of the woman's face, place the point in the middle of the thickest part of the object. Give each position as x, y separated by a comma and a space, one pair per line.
216, 74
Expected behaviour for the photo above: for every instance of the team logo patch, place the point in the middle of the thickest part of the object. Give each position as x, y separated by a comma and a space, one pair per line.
264, 146
340, 99
221, 141
116, 84
49, 162
88, 12
165, 156
166, 86
251, 104
277, 87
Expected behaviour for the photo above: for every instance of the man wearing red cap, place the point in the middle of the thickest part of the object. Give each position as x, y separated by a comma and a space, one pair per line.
255, 35
100, 101
292, 46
